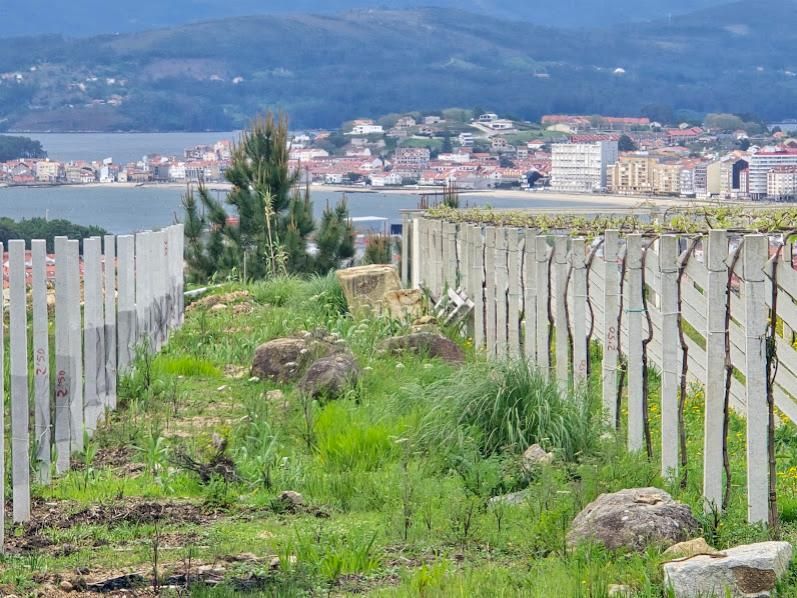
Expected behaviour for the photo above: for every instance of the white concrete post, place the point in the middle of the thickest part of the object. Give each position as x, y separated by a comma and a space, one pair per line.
110, 320
126, 317
63, 359
93, 352
415, 253
490, 290
530, 296
406, 236
142, 276
634, 314
477, 243
514, 242
77, 421
18, 363
611, 337
158, 287
755, 255
2, 421
181, 274
560, 320
501, 287
578, 311
543, 325
41, 360
716, 297
671, 355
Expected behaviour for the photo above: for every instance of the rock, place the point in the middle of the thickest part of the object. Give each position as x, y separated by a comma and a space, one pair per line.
292, 500
285, 359
365, 286
66, 586
690, 548
535, 456
219, 307
275, 395
404, 304
745, 571
633, 519
513, 498
212, 301
425, 324
618, 589
426, 343
330, 376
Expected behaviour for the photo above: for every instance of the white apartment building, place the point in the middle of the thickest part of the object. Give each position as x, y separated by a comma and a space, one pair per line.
760, 165
581, 166
782, 183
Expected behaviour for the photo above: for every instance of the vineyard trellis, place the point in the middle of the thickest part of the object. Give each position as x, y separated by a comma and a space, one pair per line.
705, 296
127, 294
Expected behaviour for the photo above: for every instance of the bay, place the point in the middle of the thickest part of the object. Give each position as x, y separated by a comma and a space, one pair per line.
123, 210
122, 147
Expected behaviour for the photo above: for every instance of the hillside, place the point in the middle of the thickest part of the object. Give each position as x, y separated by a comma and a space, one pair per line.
92, 17
324, 69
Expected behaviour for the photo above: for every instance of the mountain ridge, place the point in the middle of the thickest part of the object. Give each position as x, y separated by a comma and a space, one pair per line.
324, 69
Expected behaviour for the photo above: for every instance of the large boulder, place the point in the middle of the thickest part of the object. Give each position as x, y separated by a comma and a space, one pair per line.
365, 286
633, 519
743, 571
426, 343
330, 376
286, 359
404, 304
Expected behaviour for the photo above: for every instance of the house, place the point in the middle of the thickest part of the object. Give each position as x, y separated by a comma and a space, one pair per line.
405, 122
488, 117
501, 125
413, 159
432, 120
498, 144
384, 180
47, 171
366, 130
466, 139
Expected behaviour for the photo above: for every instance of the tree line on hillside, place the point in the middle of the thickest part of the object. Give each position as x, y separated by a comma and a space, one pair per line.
273, 218
12, 147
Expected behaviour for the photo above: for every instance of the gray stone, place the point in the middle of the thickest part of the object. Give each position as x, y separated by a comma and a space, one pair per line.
745, 571
292, 499
330, 376
286, 359
365, 286
535, 456
618, 589
633, 519
429, 344
513, 498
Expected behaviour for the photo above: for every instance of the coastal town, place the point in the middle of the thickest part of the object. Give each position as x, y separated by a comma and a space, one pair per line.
723, 157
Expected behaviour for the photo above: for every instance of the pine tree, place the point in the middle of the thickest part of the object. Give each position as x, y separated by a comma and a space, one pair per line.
274, 220
335, 238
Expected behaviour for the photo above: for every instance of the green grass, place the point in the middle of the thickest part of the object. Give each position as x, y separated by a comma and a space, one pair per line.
397, 475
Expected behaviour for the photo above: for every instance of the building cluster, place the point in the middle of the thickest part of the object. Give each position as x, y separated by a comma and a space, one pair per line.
567, 153
200, 163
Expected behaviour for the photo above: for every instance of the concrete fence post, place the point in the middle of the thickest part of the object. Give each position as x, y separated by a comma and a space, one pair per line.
611, 337
514, 296
18, 364
63, 362
560, 314
501, 288
126, 316
490, 293
93, 351
2, 421
76, 413
530, 296
634, 313
671, 355
543, 290
578, 312
406, 236
477, 243
41, 360
415, 252
110, 320
755, 254
716, 255
180, 272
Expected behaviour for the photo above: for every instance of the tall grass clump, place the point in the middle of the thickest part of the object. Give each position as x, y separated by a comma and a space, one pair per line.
506, 407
